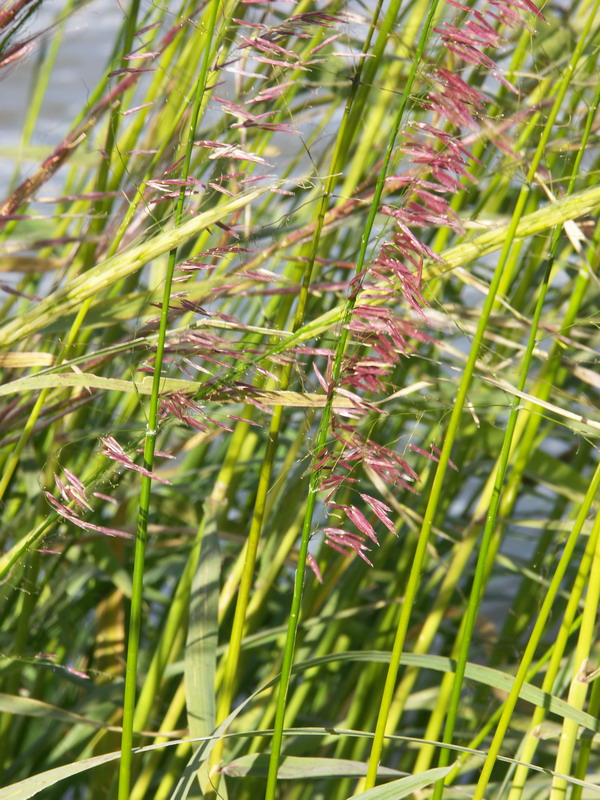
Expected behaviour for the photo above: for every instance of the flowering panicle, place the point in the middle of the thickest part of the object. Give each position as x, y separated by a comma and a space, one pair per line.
113, 450
74, 493
127, 79
12, 18
180, 406
439, 162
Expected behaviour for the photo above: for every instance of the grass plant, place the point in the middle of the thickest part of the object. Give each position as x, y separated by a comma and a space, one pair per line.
299, 470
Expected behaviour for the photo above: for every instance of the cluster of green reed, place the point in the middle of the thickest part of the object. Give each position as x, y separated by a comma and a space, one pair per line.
299, 421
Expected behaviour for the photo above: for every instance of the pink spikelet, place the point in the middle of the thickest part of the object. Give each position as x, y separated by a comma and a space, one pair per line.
73, 490
113, 450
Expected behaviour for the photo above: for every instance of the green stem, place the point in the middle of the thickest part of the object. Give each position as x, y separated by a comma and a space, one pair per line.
579, 685
135, 620
530, 742
587, 740
482, 567
536, 636
322, 434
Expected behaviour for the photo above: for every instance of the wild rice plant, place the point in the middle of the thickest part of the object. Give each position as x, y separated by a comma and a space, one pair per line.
299, 471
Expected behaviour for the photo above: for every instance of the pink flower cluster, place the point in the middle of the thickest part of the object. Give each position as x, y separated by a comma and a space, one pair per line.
439, 162
73, 491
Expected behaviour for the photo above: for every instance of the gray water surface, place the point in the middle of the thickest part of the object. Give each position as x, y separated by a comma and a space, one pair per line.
85, 47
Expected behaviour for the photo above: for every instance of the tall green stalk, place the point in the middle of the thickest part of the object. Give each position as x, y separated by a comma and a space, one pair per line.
536, 635
586, 742
323, 431
135, 620
483, 567
580, 682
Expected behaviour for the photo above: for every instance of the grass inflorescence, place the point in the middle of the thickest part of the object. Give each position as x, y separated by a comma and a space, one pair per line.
299, 474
